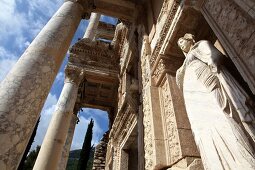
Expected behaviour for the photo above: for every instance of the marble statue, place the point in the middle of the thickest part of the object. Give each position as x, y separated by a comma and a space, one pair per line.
220, 111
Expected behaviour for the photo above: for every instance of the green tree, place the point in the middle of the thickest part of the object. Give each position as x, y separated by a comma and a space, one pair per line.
31, 140
30, 160
86, 147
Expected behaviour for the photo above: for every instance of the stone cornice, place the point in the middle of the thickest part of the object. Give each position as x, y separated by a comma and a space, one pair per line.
97, 55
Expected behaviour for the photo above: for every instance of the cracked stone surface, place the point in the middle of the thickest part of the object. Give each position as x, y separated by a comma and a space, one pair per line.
65, 152
24, 90
56, 135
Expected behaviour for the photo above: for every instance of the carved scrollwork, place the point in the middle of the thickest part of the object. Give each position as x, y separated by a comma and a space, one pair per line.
148, 146
171, 132
73, 74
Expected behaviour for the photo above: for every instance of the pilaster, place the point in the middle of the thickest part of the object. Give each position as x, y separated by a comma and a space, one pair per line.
181, 151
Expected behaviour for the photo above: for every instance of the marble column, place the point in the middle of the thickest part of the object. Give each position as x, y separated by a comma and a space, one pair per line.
55, 138
24, 90
65, 151
93, 23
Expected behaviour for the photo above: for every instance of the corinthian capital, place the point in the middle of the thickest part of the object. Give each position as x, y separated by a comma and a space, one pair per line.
73, 74
87, 5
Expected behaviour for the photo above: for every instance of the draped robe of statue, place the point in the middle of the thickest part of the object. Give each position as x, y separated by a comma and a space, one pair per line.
221, 120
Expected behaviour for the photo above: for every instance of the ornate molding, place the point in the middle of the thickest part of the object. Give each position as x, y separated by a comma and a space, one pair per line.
124, 115
148, 141
170, 125
163, 10
164, 32
105, 30
97, 56
235, 29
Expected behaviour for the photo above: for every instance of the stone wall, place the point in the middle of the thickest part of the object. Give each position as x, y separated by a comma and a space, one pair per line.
100, 153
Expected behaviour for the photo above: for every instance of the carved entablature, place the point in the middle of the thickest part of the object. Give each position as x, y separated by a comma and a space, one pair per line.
125, 117
165, 65
105, 30
97, 57
167, 24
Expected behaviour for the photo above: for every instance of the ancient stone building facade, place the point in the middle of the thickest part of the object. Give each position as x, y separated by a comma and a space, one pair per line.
129, 70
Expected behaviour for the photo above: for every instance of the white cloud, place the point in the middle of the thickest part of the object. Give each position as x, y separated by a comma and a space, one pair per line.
7, 61
11, 20
60, 77
45, 7
20, 21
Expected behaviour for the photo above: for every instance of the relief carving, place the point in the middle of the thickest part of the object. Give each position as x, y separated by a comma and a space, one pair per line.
95, 55
164, 32
235, 29
148, 145
73, 74
163, 10
171, 132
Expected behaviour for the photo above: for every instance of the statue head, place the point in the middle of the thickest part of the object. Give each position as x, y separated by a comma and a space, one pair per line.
186, 42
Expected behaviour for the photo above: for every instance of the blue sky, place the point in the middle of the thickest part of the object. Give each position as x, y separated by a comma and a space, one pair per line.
20, 22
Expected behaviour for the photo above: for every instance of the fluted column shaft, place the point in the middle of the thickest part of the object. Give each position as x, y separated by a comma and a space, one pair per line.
24, 90
65, 151
55, 138
90, 32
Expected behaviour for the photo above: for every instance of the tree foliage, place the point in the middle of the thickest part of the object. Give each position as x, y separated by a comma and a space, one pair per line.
74, 159
31, 158
31, 140
86, 147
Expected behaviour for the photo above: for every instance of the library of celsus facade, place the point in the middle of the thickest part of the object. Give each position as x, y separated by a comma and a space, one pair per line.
177, 78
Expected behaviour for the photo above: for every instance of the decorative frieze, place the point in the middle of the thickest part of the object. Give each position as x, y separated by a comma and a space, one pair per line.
170, 125
164, 31
94, 56
105, 31
147, 123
